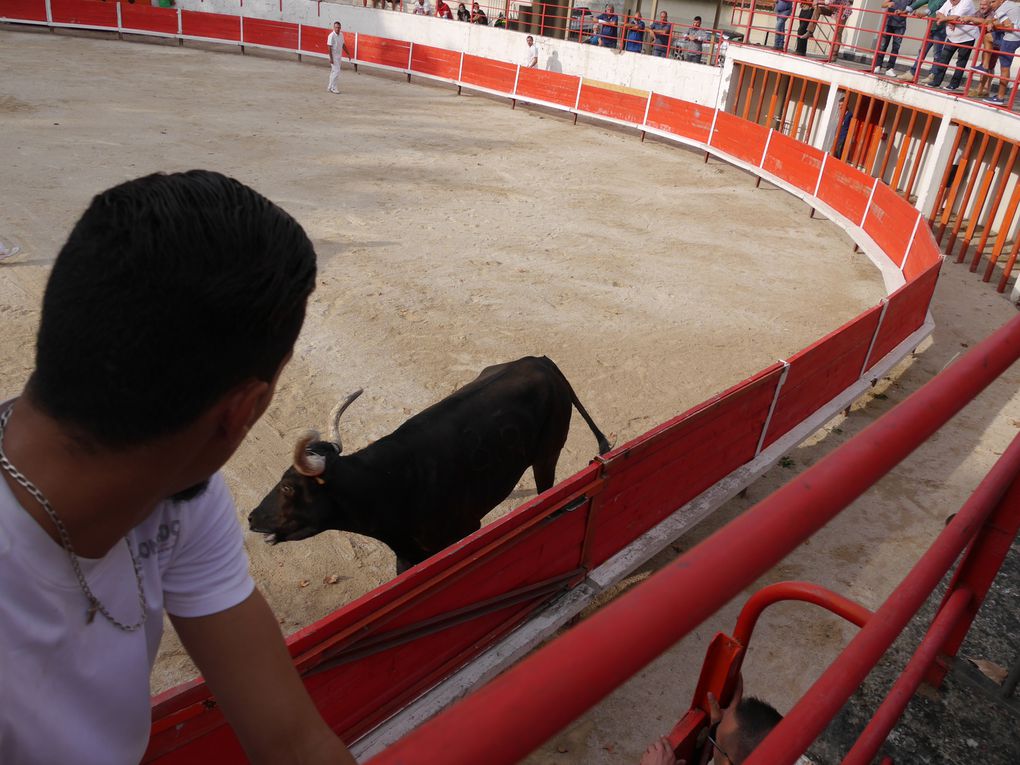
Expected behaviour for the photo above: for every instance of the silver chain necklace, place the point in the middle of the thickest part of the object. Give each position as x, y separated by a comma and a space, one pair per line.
95, 605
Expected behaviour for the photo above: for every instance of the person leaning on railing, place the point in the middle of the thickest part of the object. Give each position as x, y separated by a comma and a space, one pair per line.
1005, 32
986, 50
694, 40
936, 34
463, 14
806, 27
960, 39
478, 15
662, 31
443, 10
893, 29
783, 10
634, 33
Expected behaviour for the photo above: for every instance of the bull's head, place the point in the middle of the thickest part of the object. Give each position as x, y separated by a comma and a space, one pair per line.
299, 506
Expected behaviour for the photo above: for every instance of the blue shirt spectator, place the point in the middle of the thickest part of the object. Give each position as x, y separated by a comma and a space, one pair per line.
635, 34
662, 30
608, 29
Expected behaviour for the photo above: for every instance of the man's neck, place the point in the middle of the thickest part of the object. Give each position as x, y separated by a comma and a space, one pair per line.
98, 495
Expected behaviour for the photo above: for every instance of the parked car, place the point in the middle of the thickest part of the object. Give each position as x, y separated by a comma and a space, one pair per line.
581, 24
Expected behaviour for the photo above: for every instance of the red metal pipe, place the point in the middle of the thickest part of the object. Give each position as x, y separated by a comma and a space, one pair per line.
509, 717
806, 592
818, 706
886, 716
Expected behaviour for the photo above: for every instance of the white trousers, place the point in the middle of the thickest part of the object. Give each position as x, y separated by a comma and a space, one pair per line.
334, 75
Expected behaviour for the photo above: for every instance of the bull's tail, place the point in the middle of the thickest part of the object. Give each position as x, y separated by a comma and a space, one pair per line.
604, 445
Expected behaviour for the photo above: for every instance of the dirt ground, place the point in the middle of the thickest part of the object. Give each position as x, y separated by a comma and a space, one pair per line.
453, 233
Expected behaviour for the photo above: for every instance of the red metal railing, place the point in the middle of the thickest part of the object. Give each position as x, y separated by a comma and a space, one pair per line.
535, 699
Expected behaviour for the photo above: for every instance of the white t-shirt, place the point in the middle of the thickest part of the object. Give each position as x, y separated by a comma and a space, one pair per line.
960, 33
421, 9
77, 692
335, 42
1009, 10
532, 55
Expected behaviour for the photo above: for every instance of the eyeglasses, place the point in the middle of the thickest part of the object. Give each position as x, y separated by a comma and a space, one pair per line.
715, 744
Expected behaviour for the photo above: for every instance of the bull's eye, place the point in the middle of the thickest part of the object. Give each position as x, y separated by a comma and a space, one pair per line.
287, 490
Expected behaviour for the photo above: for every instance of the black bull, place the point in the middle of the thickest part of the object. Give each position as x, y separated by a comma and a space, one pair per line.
430, 482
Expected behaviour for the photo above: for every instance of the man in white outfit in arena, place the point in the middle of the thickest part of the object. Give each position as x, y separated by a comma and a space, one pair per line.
337, 46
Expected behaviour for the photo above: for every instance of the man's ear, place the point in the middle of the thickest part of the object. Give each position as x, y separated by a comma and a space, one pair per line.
242, 407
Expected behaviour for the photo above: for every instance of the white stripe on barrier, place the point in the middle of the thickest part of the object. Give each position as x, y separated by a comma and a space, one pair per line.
410, 56
772, 406
821, 172
648, 106
765, 151
460, 70
867, 207
906, 252
874, 337
517, 77
577, 101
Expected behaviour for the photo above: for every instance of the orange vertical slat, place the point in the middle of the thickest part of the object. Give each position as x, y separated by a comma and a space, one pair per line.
966, 198
979, 203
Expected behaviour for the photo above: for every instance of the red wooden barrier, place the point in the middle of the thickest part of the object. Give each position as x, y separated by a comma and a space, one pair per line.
794, 162
614, 102
551, 87
907, 308
437, 62
27, 10
383, 51
680, 117
489, 74
147, 18
272, 34
654, 474
845, 189
739, 138
890, 222
215, 26
923, 252
821, 371
84, 12
313, 40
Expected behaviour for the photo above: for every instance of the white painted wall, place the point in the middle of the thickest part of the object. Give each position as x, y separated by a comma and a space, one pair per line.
694, 82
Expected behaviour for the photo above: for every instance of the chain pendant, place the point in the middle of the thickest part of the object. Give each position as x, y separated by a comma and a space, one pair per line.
91, 613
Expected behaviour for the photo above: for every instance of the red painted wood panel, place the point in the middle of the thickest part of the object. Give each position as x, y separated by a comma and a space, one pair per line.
382, 50
890, 222
923, 252
84, 12
532, 544
794, 162
680, 117
148, 18
907, 308
490, 74
273, 34
620, 105
739, 138
438, 62
551, 87
216, 26
28, 10
652, 476
822, 370
845, 189
313, 40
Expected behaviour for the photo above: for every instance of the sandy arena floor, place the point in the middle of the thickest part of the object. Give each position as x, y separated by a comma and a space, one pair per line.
454, 233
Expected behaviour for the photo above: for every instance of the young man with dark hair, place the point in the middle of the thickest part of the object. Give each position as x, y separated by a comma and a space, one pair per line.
167, 318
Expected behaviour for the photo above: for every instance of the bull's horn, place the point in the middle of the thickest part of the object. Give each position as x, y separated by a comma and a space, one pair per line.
308, 464
337, 412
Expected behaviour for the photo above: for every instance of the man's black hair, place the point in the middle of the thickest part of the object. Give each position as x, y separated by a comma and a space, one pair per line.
170, 291
755, 720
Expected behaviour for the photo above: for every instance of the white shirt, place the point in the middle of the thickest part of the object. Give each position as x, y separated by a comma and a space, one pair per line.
960, 33
532, 56
422, 9
77, 692
1009, 10
335, 42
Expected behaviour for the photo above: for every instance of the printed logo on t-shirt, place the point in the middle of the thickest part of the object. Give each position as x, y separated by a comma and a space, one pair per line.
166, 540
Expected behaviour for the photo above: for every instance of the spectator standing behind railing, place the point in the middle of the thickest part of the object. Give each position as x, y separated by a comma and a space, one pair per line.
608, 28
960, 39
935, 35
892, 32
421, 8
463, 14
500, 22
662, 31
783, 8
694, 40
840, 10
478, 15
806, 27
443, 11
986, 50
1006, 38
635, 33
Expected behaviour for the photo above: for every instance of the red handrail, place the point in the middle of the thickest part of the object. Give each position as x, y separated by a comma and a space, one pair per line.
807, 592
535, 699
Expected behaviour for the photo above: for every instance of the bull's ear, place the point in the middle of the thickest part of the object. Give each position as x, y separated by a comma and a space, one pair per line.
336, 448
